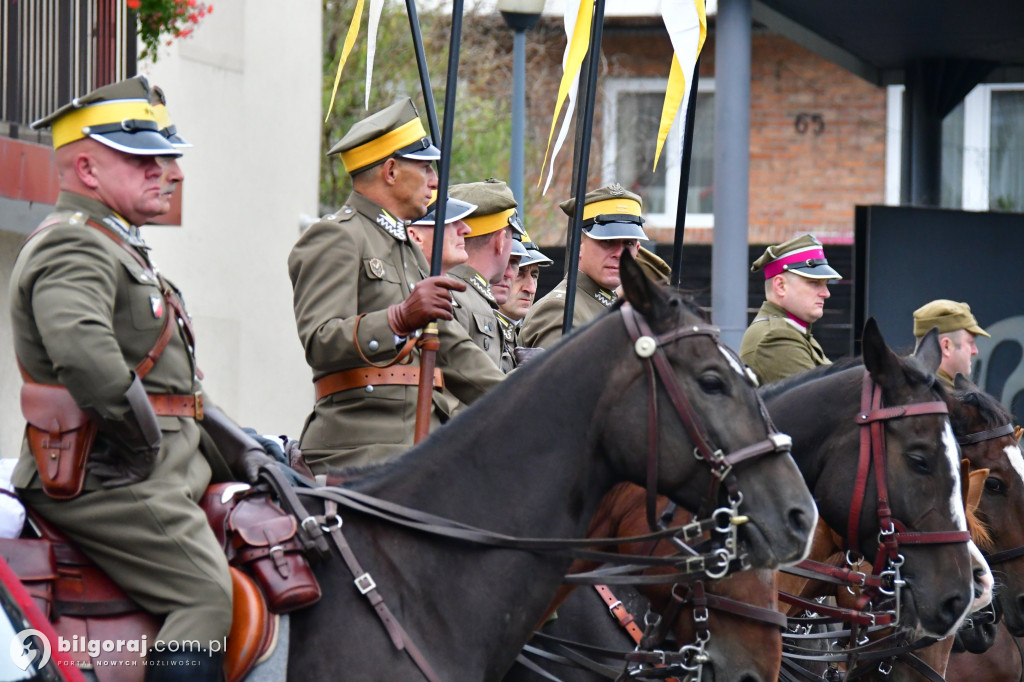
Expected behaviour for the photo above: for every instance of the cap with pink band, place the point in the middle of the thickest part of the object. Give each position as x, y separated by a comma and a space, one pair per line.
804, 256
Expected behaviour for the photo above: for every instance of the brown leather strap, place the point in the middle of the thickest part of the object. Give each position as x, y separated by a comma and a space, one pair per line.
619, 613
169, 405
403, 353
403, 375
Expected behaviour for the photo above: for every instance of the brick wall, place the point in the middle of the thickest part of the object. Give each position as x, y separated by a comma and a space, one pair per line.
799, 182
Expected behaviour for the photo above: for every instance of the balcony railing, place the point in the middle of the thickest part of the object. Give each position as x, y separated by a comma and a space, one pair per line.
54, 50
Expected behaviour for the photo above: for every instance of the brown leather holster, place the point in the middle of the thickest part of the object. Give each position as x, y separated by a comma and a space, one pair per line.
60, 436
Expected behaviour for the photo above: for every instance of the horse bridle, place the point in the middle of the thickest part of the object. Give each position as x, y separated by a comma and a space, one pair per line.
980, 437
649, 347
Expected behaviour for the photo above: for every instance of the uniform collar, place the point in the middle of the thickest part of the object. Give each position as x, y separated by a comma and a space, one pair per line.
591, 288
792, 320
474, 279
378, 215
101, 213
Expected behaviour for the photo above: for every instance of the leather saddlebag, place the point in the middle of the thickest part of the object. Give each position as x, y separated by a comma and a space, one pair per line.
263, 538
34, 563
60, 436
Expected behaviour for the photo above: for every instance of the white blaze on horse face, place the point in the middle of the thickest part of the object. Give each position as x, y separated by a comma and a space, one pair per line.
983, 580
1016, 460
733, 362
956, 503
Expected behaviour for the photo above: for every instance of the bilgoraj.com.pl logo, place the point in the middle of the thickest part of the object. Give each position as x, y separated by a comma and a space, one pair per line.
25, 649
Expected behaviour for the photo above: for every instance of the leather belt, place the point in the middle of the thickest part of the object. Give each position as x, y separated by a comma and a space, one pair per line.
169, 405
372, 376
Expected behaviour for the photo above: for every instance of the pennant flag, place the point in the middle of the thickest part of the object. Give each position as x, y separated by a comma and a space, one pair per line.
350, 40
687, 26
579, 15
376, 7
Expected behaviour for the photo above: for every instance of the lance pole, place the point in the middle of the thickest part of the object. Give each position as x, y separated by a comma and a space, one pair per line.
684, 177
429, 342
421, 66
581, 158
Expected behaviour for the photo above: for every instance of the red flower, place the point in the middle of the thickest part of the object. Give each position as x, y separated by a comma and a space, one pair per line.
133, 4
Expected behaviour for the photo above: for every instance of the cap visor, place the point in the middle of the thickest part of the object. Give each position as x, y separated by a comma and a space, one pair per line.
817, 272
519, 250
535, 257
455, 209
140, 142
616, 231
179, 142
431, 153
978, 331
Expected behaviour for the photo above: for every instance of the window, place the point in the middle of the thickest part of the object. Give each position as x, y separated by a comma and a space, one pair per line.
982, 150
632, 109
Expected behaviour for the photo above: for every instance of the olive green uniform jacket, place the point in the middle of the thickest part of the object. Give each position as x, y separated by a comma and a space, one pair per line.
346, 270
475, 309
774, 347
509, 330
84, 312
542, 326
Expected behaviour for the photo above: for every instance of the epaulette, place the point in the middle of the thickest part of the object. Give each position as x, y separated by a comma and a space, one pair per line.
342, 215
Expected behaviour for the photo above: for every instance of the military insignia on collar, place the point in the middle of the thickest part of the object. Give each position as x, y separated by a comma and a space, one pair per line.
393, 226
127, 232
480, 284
605, 298
157, 304
377, 267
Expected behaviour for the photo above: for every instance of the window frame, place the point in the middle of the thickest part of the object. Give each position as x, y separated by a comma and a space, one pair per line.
619, 85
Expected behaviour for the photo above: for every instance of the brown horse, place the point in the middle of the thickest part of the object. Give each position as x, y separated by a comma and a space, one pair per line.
740, 646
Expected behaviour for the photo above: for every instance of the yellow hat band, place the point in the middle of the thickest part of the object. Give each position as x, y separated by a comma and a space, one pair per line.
163, 119
486, 224
611, 206
383, 146
70, 127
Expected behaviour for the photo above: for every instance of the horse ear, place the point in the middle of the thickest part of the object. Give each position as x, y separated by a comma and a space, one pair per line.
639, 290
879, 359
928, 351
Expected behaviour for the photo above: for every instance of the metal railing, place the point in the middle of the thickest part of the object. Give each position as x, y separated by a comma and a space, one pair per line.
54, 50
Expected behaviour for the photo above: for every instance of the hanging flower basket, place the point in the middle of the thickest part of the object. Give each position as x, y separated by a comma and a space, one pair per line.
165, 20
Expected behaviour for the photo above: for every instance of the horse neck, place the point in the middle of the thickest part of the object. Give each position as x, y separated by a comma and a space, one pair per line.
490, 469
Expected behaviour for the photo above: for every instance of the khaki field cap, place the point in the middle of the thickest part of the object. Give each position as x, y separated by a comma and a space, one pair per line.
948, 316
394, 131
803, 255
611, 212
495, 206
453, 210
118, 115
654, 266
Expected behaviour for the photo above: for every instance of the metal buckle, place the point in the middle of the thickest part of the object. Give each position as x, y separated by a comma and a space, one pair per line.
198, 397
364, 583
781, 441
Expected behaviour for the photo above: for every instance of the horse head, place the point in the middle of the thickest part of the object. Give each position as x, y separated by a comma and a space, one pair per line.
985, 431
898, 504
708, 431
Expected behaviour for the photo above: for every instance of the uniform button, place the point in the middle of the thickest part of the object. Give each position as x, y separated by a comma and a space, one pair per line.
369, 389
373, 344
411, 286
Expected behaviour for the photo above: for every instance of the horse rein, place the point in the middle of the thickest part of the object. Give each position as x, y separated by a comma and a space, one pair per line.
650, 349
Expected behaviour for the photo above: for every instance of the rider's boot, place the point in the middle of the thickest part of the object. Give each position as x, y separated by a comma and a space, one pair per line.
182, 666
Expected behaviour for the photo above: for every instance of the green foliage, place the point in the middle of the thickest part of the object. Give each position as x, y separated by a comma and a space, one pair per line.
482, 127
158, 19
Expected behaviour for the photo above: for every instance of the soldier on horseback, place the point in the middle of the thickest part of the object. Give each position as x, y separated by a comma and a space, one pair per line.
112, 392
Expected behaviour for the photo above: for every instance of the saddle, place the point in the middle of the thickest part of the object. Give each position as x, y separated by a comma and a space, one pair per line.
269, 576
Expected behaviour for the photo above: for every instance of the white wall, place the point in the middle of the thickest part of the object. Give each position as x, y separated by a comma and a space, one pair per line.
245, 91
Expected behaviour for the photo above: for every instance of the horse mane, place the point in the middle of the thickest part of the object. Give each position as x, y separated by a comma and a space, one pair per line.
683, 296
987, 406
777, 388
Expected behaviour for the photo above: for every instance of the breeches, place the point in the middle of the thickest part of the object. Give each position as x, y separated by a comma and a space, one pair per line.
153, 540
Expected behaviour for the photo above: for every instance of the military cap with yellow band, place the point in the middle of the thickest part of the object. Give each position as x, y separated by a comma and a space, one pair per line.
611, 212
533, 254
495, 207
454, 209
394, 131
803, 255
118, 115
163, 118
948, 316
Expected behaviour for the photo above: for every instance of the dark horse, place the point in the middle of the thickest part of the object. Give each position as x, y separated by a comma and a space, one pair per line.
822, 410
469, 609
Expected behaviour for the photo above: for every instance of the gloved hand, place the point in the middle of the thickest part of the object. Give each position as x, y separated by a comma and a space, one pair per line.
254, 459
524, 354
430, 300
116, 468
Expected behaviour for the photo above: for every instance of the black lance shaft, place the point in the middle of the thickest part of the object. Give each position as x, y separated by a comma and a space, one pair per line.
421, 66
429, 342
585, 124
684, 177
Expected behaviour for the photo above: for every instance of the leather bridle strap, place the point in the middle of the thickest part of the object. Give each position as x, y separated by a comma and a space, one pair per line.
990, 434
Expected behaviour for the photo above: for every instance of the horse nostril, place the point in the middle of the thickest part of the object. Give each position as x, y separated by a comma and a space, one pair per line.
953, 607
800, 521
748, 677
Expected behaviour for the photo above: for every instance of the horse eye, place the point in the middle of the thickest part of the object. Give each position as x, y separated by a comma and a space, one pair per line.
994, 485
919, 463
711, 383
